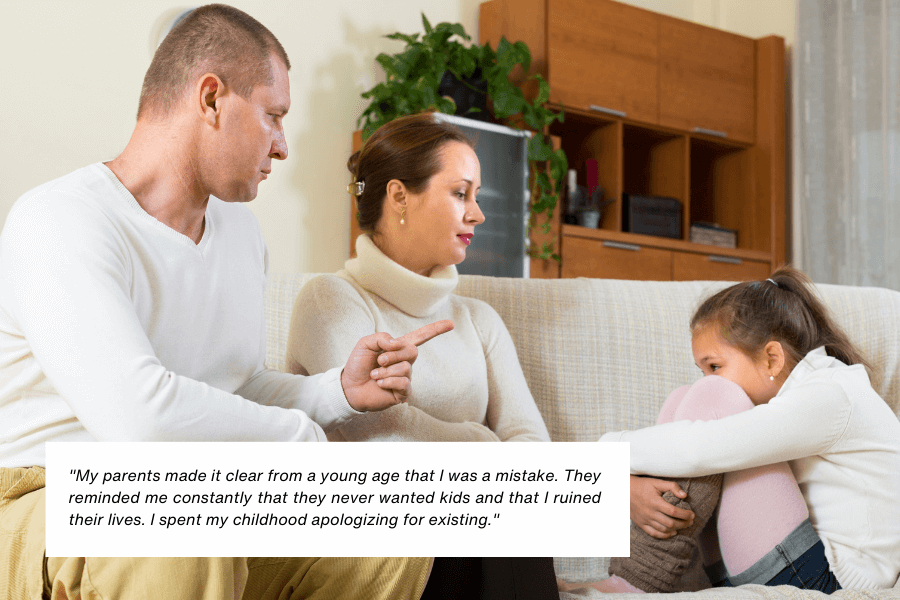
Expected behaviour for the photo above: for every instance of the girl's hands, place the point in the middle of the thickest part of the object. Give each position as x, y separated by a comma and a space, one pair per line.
652, 513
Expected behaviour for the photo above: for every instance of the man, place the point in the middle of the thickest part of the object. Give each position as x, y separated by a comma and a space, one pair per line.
131, 308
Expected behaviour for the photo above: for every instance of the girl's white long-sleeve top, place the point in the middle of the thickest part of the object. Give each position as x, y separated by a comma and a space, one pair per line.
843, 445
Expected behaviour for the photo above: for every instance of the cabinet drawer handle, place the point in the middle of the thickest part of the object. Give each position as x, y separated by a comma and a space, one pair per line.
608, 111
621, 246
712, 132
726, 259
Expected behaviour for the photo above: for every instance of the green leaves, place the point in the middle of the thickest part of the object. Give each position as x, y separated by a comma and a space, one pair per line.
509, 55
545, 252
409, 39
539, 149
389, 64
559, 165
414, 74
543, 92
412, 79
507, 100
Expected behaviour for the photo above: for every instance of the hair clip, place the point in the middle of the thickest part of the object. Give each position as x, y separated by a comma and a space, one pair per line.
775, 283
356, 188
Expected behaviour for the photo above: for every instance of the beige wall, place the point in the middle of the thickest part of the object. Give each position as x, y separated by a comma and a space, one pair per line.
72, 72
753, 18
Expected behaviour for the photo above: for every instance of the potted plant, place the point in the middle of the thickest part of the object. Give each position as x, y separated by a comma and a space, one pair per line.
437, 71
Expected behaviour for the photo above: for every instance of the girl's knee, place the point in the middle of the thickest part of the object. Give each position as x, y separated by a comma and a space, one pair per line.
667, 412
712, 397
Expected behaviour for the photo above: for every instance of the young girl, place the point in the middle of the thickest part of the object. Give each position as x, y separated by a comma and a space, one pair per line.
781, 383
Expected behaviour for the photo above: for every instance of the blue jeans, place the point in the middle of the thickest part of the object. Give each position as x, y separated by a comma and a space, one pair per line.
799, 560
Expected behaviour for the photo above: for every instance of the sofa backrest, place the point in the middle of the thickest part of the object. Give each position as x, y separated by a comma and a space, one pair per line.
602, 354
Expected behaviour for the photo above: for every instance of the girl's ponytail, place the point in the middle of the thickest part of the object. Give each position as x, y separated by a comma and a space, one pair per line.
784, 308
826, 332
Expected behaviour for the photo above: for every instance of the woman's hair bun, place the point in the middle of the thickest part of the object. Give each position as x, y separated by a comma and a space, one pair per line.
353, 163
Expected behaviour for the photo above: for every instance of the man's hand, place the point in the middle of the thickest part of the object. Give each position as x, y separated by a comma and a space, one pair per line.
379, 369
652, 513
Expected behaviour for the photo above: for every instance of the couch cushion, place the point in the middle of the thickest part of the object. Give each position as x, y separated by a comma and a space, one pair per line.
603, 354
281, 291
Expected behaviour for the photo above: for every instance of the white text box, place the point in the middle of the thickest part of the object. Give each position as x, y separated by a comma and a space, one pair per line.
377, 499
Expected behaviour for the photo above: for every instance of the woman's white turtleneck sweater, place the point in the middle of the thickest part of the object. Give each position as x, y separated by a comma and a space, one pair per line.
467, 385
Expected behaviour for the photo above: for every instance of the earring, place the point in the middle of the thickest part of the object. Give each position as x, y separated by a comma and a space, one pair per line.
771, 378
402, 215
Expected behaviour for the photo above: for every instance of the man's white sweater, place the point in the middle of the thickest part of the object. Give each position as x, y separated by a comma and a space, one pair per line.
842, 442
114, 326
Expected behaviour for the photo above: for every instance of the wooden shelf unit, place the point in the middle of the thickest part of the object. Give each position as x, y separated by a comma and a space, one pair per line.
669, 108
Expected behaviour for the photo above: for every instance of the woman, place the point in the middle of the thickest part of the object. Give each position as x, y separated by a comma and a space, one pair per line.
416, 181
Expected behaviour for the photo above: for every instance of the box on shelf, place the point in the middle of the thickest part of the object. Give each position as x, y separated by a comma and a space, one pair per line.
651, 215
713, 235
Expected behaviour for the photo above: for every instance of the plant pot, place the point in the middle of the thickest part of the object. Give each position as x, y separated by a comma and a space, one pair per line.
590, 218
470, 103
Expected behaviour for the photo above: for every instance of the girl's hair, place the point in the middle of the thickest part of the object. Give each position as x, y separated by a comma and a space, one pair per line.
407, 148
783, 308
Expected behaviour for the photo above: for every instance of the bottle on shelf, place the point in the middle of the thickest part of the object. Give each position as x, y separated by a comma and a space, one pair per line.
575, 195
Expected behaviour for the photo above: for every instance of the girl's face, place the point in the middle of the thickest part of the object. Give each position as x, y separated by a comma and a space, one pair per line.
715, 356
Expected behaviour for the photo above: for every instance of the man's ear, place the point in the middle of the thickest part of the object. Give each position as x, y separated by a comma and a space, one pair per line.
396, 195
775, 358
208, 96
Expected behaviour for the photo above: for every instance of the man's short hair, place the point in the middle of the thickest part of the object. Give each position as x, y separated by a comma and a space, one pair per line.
215, 38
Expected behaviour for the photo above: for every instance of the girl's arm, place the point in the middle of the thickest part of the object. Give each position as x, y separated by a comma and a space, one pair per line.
804, 421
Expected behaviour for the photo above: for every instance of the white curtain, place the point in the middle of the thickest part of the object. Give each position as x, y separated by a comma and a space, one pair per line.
846, 142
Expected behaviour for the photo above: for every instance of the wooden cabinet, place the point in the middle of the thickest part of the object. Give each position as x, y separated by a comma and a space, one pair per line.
615, 260
706, 80
609, 259
603, 56
687, 266
617, 59
615, 255
662, 107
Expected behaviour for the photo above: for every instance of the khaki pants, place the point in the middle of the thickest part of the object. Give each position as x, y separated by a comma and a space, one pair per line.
26, 575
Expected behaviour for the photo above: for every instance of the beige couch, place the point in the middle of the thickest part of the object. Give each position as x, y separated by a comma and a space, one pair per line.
601, 355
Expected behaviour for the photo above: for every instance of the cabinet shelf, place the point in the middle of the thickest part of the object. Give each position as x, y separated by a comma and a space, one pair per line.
665, 107
619, 255
595, 117
652, 241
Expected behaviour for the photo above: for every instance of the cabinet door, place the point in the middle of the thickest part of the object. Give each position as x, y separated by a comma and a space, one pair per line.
602, 259
603, 54
693, 267
707, 79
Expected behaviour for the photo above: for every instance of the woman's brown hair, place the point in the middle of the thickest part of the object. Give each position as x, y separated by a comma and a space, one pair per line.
783, 308
407, 148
